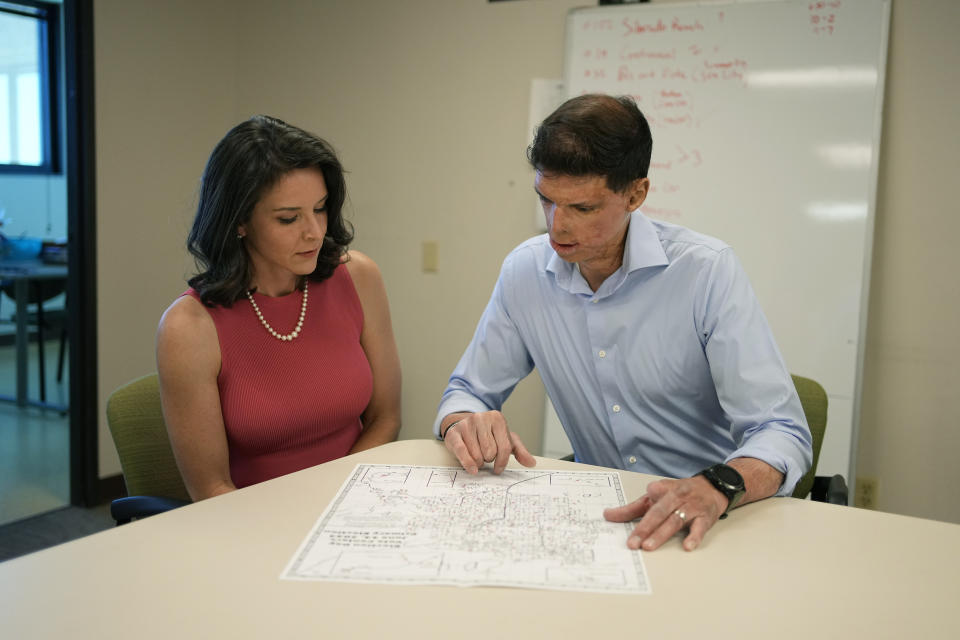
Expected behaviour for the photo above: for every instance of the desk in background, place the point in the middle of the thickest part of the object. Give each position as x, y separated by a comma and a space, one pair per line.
22, 273
780, 568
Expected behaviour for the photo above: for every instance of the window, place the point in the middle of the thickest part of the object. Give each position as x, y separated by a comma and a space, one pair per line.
28, 114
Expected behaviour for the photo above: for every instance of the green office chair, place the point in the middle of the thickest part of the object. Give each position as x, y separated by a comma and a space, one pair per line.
150, 471
832, 489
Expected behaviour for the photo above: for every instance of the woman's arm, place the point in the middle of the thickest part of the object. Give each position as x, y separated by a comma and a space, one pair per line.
188, 361
381, 419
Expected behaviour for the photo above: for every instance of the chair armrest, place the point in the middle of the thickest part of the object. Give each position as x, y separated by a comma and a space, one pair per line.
837, 492
830, 489
130, 508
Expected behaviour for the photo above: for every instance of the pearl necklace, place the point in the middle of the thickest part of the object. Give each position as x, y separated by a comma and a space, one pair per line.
293, 334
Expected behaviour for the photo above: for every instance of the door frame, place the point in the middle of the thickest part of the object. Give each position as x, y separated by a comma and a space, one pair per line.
80, 167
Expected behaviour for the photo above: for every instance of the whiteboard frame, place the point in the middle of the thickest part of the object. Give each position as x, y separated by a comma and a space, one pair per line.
868, 255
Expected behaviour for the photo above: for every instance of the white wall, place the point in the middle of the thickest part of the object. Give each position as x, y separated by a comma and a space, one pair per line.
427, 103
910, 429
426, 100
164, 82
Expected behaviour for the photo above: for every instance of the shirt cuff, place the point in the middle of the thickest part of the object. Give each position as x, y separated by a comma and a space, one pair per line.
792, 464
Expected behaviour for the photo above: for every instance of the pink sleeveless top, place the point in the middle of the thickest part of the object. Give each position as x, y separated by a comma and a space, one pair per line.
291, 405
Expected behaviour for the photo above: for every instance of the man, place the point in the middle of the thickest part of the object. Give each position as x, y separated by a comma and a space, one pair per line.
648, 338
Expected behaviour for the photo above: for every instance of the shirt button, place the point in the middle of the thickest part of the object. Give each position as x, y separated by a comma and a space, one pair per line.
602, 353
633, 459
594, 301
616, 408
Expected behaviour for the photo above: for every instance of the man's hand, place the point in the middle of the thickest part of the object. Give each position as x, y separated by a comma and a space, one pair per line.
700, 504
477, 438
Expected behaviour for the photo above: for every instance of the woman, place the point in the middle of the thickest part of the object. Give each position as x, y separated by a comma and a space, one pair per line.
281, 354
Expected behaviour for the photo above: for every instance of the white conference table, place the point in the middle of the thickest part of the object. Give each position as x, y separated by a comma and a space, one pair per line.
780, 568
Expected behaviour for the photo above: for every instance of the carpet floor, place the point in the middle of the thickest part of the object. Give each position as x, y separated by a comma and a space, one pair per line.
53, 528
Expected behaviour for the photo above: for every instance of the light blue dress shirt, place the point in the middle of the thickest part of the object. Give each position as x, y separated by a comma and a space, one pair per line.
669, 367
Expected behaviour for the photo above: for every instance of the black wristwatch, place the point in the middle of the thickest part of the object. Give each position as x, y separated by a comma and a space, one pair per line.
727, 481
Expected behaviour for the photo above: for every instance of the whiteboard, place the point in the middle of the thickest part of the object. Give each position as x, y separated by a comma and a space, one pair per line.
766, 128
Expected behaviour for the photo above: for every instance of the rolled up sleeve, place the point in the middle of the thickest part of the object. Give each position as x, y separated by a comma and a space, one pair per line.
752, 382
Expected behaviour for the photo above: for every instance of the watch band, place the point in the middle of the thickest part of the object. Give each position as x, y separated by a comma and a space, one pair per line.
727, 481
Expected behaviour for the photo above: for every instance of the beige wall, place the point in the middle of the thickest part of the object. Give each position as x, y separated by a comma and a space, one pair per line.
165, 93
427, 103
910, 430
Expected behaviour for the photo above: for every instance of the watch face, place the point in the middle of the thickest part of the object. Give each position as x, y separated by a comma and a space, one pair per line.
728, 475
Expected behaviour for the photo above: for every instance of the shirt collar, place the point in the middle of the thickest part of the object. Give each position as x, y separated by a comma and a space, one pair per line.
641, 250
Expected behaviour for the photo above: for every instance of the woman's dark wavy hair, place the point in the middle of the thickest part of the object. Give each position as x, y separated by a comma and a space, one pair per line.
597, 135
247, 162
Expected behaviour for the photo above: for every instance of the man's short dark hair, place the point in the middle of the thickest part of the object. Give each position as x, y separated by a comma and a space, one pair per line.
594, 134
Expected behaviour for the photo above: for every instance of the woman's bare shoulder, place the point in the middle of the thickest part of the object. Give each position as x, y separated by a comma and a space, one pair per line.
186, 320
188, 350
362, 269
185, 310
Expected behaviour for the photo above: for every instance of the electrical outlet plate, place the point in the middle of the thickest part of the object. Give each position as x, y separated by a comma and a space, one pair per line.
429, 257
865, 495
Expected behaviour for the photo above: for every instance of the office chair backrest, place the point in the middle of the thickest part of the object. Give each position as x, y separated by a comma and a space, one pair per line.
814, 401
136, 423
